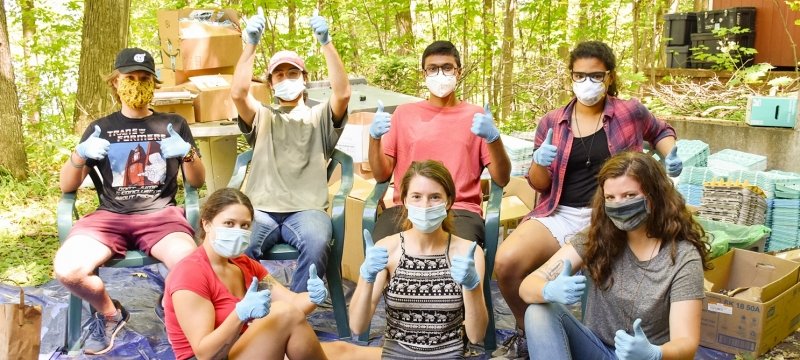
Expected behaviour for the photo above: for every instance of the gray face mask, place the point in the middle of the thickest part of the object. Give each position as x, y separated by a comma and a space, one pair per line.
629, 214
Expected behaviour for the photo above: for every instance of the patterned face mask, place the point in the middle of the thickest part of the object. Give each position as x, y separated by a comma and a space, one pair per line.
134, 93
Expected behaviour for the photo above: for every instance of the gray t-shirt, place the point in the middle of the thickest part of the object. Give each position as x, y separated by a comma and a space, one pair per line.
642, 289
291, 149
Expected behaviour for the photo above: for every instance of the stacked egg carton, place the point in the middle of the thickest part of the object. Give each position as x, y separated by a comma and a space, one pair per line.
733, 202
726, 161
690, 183
693, 153
520, 152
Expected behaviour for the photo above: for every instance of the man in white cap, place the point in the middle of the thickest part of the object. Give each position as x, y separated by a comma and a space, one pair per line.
292, 143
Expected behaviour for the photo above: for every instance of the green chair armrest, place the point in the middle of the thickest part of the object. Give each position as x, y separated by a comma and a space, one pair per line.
339, 158
370, 214
191, 206
240, 169
491, 233
66, 213
133, 258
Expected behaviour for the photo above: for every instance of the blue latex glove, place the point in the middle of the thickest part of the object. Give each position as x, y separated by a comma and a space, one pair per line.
320, 27
316, 288
375, 259
635, 347
565, 289
380, 123
546, 152
255, 27
483, 125
94, 147
255, 304
174, 145
673, 162
463, 269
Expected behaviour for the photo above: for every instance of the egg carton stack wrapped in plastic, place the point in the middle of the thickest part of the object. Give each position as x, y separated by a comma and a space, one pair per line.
727, 160
520, 152
733, 202
690, 183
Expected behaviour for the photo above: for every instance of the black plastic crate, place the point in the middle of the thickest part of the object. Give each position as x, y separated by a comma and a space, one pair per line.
743, 17
712, 44
678, 27
678, 56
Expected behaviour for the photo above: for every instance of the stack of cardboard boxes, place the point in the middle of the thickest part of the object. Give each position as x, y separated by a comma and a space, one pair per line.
199, 51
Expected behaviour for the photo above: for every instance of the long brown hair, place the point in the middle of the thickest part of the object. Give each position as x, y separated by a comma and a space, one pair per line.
217, 202
435, 171
669, 219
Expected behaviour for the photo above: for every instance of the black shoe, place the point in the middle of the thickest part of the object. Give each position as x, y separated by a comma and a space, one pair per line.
99, 333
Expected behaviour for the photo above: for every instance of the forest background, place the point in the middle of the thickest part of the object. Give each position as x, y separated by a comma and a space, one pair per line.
513, 54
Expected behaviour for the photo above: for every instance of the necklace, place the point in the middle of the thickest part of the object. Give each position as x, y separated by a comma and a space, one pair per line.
580, 137
634, 308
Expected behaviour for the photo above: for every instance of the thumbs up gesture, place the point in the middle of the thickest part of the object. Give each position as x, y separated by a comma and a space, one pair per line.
483, 125
565, 289
381, 123
636, 347
463, 269
173, 146
255, 304
673, 162
320, 27
255, 27
94, 147
375, 259
316, 288
546, 152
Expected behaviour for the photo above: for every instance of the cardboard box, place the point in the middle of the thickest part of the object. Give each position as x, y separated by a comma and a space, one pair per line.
192, 45
355, 142
761, 313
183, 108
518, 200
171, 77
353, 253
791, 255
771, 111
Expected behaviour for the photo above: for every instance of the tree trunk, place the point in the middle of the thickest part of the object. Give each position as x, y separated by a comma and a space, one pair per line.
637, 38
508, 59
292, 10
105, 33
34, 108
13, 157
404, 28
488, 51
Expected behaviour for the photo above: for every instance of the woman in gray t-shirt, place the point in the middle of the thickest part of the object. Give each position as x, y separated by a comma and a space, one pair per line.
644, 256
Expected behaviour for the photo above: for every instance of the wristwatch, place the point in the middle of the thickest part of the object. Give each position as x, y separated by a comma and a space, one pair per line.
190, 156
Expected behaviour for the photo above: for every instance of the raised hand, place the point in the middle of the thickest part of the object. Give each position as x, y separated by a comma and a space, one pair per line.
546, 152
380, 123
635, 347
375, 259
483, 125
565, 289
255, 27
255, 304
94, 147
316, 288
673, 162
174, 145
320, 27
463, 269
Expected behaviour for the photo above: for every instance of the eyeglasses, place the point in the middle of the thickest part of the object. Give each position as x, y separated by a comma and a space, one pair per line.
433, 70
595, 77
287, 74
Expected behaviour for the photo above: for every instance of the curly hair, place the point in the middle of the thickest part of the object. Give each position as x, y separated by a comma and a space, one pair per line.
435, 171
600, 51
669, 218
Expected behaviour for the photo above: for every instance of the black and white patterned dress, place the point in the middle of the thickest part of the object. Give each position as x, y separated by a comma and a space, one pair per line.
424, 309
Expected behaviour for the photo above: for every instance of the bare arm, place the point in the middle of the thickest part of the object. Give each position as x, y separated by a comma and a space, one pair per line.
381, 164
196, 318
500, 165
195, 172
72, 173
299, 300
539, 177
340, 85
684, 330
475, 313
364, 301
530, 290
665, 146
246, 104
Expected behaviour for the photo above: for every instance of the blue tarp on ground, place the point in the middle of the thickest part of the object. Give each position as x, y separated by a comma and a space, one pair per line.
144, 336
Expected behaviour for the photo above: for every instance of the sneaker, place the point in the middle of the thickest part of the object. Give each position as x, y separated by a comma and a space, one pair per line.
99, 333
159, 309
514, 347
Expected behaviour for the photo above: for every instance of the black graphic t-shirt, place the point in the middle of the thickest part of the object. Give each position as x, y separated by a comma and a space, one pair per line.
136, 177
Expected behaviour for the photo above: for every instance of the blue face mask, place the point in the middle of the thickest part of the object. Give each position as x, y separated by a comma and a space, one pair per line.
629, 214
230, 242
427, 219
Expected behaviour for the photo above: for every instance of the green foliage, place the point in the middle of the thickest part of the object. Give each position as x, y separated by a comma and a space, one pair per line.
730, 55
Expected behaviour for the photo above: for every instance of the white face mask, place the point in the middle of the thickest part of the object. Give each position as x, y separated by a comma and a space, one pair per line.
588, 92
230, 242
441, 85
289, 89
427, 219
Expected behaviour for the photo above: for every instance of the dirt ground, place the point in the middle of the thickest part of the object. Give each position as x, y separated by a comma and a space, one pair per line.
788, 349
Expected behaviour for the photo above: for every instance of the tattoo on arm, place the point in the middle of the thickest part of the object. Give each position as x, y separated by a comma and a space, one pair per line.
553, 270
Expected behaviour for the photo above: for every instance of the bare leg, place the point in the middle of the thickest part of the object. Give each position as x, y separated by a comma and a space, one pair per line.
74, 267
527, 248
284, 331
336, 350
172, 248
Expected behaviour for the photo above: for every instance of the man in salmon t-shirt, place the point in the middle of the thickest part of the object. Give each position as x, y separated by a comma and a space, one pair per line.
459, 134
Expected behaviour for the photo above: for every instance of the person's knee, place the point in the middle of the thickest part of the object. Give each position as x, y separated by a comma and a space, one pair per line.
70, 271
538, 314
286, 314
